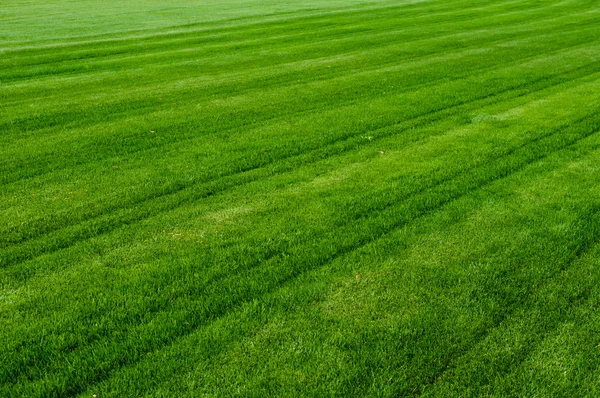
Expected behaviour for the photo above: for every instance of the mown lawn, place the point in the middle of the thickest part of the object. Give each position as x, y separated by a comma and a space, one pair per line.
300, 198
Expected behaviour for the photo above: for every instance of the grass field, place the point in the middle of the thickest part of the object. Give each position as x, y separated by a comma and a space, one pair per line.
300, 198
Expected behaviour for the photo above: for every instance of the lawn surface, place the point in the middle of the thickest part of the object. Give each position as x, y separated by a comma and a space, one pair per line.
300, 198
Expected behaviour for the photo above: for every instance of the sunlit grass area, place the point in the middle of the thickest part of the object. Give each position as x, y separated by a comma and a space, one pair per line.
300, 198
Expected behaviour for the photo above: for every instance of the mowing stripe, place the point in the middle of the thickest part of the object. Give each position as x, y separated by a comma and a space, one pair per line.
281, 270
135, 213
336, 138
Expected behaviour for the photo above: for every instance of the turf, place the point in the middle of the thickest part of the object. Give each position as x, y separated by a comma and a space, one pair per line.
300, 198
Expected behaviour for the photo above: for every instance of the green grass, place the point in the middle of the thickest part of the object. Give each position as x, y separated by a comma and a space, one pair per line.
300, 198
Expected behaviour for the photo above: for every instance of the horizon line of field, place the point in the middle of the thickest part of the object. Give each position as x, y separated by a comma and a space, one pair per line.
21, 128
479, 21
368, 54
167, 32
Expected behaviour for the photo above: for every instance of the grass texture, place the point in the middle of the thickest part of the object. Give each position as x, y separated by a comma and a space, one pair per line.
300, 198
